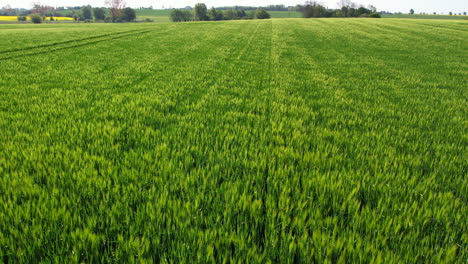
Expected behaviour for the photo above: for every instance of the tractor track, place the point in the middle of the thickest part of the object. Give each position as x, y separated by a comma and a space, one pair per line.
52, 47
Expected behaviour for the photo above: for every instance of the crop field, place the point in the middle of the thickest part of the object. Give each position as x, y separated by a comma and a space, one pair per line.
425, 16
15, 18
264, 141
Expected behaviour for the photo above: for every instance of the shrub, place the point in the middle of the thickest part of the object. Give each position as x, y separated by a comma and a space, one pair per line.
181, 15
148, 20
262, 14
36, 18
22, 18
129, 14
375, 15
99, 13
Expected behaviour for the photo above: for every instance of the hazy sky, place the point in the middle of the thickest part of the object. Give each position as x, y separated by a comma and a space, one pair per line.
428, 6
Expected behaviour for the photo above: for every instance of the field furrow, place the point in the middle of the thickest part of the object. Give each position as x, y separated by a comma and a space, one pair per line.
282, 141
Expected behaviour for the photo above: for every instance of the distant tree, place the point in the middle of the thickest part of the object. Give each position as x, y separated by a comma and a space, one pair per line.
7, 11
240, 14
363, 11
229, 14
314, 9
262, 14
434, 13
464, 13
347, 7
215, 15
374, 15
87, 12
129, 14
115, 8
99, 13
200, 12
411, 11
450, 13
22, 18
181, 15
338, 13
36, 18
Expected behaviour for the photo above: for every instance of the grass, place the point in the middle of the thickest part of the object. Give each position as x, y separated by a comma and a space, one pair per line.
285, 140
424, 16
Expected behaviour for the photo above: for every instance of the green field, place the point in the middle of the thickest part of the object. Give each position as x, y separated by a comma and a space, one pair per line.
424, 16
274, 141
163, 15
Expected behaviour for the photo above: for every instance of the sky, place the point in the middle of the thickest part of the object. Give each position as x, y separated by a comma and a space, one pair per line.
428, 6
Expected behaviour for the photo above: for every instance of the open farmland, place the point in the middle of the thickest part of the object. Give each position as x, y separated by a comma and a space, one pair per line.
15, 18
408, 16
283, 141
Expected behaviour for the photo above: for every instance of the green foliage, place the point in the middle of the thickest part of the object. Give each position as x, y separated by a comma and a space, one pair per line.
375, 15
181, 15
215, 15
86, 12
261, 14
264, 141
22, 18
99, 13
36, 18
129, 14
200, 12
313, 9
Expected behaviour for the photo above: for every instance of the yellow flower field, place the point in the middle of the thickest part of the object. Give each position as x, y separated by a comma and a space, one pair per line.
15, 18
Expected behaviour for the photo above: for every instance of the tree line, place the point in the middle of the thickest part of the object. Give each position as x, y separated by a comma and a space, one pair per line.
201, 13
346, 9
116, 12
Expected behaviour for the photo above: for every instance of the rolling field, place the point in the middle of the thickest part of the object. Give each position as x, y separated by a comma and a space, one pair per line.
275, 141
15, 18
408, 16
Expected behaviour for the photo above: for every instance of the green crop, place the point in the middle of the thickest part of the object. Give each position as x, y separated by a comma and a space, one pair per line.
279, 141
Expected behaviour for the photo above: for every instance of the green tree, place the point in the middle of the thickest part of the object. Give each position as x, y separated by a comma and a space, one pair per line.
229, 14
201, 12
99, 13
411, 11
115, 8
181, 15
215, 15
36, 18
87, 12
262, 14
129, 14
